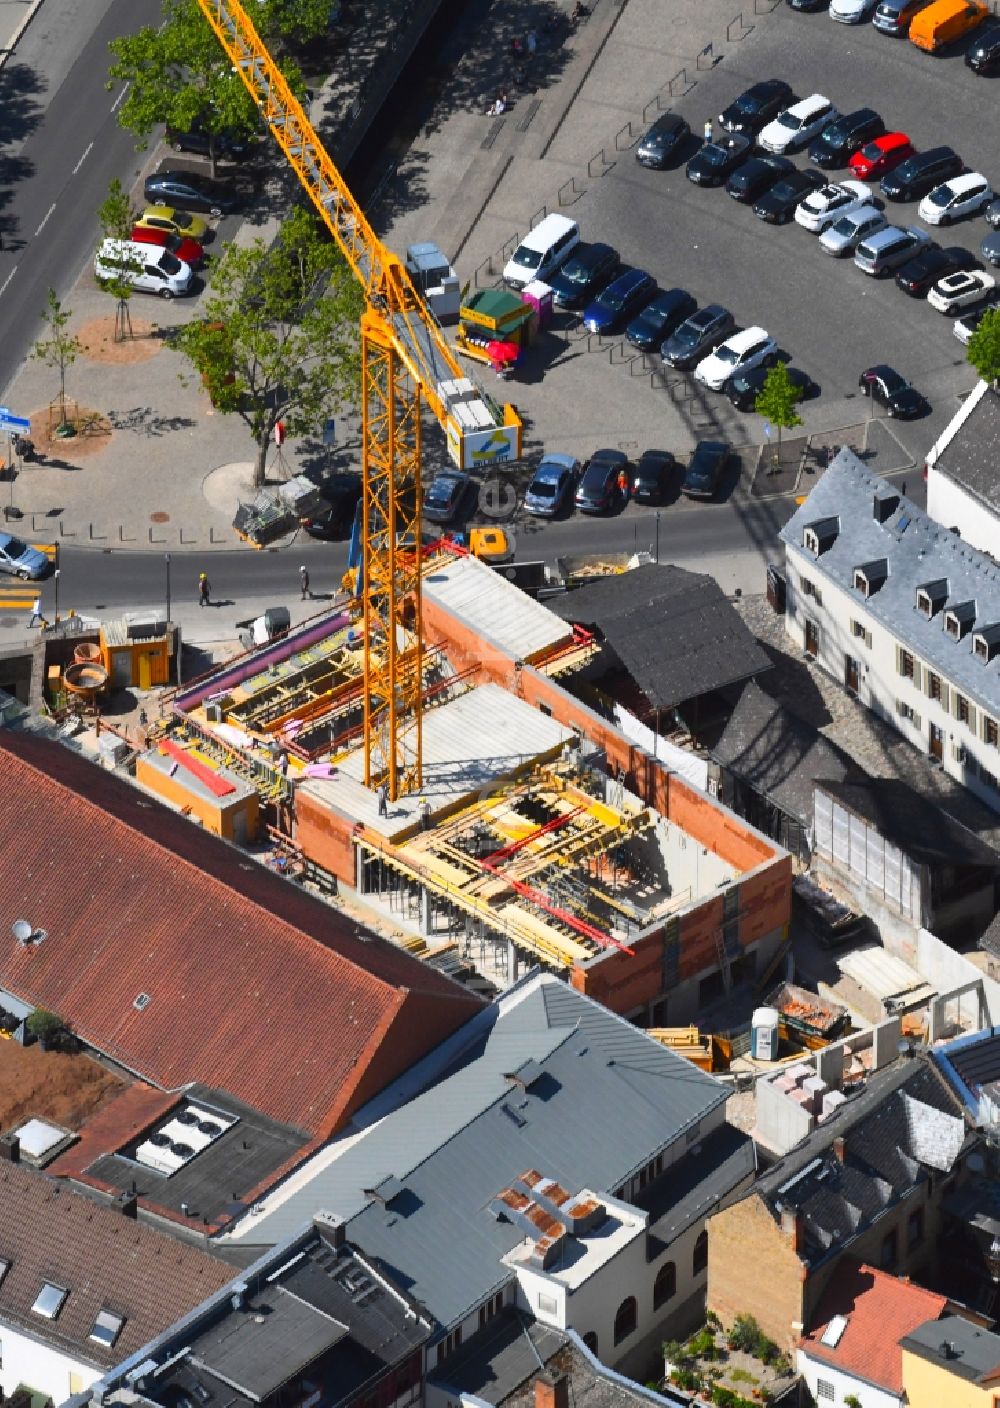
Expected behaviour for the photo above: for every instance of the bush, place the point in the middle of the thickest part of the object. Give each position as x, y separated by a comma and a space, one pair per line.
745, 1335
687, 1379
44, 1026
702, 1345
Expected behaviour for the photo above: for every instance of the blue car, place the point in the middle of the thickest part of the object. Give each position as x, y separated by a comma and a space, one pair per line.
20, 560
619, 302
553, 483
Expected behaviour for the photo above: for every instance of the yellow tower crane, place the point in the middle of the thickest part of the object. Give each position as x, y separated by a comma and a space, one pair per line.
405, 359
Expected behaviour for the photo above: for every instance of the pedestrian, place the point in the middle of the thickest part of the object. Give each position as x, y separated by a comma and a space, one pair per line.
708, 130
204, 589
425, 814
36, 612
283, 763
304, 579
623, 485
902, 488
383, 800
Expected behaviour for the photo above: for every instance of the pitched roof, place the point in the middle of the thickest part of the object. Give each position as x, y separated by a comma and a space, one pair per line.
879, 1310
917, 551
969, 449
105, 1261
673, 630
777, 754
245, 972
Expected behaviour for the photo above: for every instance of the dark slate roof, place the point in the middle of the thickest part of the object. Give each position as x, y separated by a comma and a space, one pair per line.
971, 1064
973, 1353
989, 940
673, 630
917, 827
972, 454
917, 550
777, 754
905, 1121
695, 1187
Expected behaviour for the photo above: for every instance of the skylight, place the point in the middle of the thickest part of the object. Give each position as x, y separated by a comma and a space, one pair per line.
107, 1327
49, 1300
831, 1336
4, 1268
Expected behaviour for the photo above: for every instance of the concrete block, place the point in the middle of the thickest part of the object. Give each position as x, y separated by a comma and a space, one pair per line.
885, 1042
799, 1072
816, 1087
832, 1101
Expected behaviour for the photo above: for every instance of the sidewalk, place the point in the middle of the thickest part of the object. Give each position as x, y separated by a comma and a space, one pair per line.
15, 16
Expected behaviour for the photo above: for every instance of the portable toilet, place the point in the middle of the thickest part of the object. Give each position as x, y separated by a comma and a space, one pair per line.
764, 1034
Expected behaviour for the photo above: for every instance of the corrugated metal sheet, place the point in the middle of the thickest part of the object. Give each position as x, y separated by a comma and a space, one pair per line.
496, 609
882, 973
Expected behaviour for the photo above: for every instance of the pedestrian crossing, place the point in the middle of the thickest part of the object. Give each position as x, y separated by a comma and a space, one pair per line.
17, 595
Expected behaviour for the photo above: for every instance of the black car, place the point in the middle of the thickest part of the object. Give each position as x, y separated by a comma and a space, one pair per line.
777, 206
920, 173
227, 145
663, 141
659, 319
698, 335
190, 192
984, 55
584, 274
341, 491
445, 495
653, 477
716, 160
755, 107
757, 175
807, 6
744, 388
917, 276
892, 391
837, 143
701, 478
598, 491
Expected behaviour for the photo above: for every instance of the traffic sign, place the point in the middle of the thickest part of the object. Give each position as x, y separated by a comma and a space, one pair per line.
767, 429
9, 422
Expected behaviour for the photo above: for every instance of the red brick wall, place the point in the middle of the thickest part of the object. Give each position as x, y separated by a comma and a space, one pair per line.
753, 1270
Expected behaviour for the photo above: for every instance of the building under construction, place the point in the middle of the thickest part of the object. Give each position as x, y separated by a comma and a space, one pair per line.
540, 833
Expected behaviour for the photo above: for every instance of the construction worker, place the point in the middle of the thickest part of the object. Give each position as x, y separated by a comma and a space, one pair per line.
304, 582
383, 800
708, 130
204, 589
425, 814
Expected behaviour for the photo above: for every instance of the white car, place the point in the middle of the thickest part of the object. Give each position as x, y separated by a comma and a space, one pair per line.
961, 196
798, 125
961, 290
966, 325
847, 231
146, 267
821, 208
851, 11
737, 354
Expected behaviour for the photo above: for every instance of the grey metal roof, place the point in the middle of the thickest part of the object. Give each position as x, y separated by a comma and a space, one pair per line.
917, 551
607, 1099
972, 455
972, 1354
673, 630
777, 754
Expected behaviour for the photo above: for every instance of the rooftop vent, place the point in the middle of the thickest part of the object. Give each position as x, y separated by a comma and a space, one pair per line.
526, 1075
182, 1137
884, 506
385, 1191
986, 643
932, 596
818, 536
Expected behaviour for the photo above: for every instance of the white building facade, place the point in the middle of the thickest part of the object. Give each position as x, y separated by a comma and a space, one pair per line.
829, 1385
49, 1370
904, 614
963, 486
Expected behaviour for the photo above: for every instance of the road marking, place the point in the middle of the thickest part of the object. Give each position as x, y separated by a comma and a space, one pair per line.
120, 99
76, 168
48, 215
3, 286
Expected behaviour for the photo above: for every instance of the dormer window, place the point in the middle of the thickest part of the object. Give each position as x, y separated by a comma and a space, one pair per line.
931, 597
106, 1328
49, 1300
818, 536
986, 643
870, 576
958, 619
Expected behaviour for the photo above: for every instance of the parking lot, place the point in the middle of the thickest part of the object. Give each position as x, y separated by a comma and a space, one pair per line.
833, 320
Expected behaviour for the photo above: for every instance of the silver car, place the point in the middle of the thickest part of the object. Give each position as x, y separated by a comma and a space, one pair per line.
21, 560
845, 234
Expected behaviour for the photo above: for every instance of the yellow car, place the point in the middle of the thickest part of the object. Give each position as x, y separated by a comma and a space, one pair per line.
175, 222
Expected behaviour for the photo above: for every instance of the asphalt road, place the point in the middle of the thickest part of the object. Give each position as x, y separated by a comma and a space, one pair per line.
62, 147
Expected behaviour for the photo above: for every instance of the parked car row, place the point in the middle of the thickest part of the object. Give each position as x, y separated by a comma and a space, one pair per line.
930, 24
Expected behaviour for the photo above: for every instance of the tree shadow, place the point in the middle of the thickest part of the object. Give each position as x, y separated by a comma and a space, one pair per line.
20, 113
144, 421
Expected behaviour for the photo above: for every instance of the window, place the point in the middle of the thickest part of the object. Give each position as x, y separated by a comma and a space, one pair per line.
491, 1308
890, 1250
106, 1328
933, 685
49, 1300
915, 1229
811, 589
626, 1320
449, 1345
665, 1285
905, 665
548, 1305
924, 605
860, 582
860, 632
699, 1259
964, 712
906, 711
590, 1340
990, 732
824, 1389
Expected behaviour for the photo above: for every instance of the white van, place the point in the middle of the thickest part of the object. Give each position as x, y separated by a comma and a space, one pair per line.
147, 267
542, 250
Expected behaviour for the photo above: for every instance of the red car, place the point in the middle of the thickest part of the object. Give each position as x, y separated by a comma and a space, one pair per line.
190, 251
881, 156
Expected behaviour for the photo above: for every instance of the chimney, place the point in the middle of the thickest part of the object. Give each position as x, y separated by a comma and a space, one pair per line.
10, 1147
127, 1204
884, 506
791, 1226
838, 1148
551, 1389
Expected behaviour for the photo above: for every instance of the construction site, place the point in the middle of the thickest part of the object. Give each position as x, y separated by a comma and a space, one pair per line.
539, 833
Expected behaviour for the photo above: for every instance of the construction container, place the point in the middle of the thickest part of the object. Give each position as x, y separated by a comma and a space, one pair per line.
136, 652
764, 1034
198, 787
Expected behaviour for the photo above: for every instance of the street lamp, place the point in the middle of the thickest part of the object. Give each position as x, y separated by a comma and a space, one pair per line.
55, 577
166, 557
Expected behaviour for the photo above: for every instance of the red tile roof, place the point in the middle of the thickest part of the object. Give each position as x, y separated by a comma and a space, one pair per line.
255, 986
116, 1123
105, 1260
879, 1309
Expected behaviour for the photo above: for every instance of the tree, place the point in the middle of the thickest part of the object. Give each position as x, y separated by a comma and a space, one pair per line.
278, 337
777, 400
58, 351
179, 74
117, 217
984, 348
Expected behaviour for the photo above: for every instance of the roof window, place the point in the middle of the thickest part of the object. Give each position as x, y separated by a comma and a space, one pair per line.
986, 643
958, 619
931, 597
833, 1333
4, 1268
50, 1300
106, 1328
870, 576
818, 536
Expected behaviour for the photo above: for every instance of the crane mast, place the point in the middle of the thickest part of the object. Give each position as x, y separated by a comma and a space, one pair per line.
406, 363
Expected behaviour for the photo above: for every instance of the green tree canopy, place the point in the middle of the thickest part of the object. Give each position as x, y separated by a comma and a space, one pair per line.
984, 347
117, 217
278, 335
59, 350
777, 400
